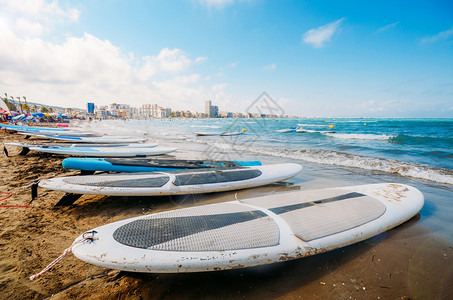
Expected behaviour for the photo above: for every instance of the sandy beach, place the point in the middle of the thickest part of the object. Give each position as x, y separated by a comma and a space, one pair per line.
412, 261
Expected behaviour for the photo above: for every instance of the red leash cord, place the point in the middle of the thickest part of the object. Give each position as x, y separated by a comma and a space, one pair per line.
8, 196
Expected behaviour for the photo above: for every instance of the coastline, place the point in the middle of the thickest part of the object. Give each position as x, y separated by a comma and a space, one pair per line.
413, 260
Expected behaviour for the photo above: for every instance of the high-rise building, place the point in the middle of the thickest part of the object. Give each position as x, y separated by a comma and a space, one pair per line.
214, 111
90, 108
207, 108
211, 110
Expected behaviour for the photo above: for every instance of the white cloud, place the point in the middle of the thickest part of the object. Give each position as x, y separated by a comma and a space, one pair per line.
387, 27
77, 70
174, 61
219, 87
270, 67
444, 35
318, 36
87, 68
28, 27
200, 59
219, 4
371, 107
40, 9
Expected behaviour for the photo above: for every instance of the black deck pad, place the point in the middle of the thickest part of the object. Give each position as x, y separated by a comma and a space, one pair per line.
170, 163
146, 233
217, 176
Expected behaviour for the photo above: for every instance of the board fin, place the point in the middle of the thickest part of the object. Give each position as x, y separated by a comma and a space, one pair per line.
34, 190
24, 151
68, 199
6, 151
87, 172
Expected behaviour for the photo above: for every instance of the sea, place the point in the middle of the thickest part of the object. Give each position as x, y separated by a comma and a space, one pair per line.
414, 148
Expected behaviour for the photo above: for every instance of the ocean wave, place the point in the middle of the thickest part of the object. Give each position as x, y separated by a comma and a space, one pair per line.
335, 158
361, 136
206, 126
313, 125
353, 121
408, 139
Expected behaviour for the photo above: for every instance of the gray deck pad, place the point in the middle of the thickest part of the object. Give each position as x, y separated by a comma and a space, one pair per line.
201, 229
316, 214
121, 181
216, 176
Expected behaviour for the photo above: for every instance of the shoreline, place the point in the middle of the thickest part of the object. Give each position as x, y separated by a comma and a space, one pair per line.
413, 260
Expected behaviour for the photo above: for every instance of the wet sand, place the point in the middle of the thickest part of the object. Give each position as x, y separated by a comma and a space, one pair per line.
412, 261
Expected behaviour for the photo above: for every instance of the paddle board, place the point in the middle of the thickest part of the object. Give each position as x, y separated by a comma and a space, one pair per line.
249, 232
218, 133
173, 183
146, 164
136, 145
104, 151
232, 133
17, 128
58, 133
207, 133
98, 139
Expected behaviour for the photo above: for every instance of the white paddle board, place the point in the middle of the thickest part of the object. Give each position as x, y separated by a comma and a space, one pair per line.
249, 232
104, 151
219, 133
95, 139
195, 181
56, 133
81, 145
207, 133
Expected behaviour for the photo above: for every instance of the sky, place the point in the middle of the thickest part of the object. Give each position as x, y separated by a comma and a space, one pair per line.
313, 58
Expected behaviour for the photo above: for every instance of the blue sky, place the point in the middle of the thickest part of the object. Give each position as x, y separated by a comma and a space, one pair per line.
315, 58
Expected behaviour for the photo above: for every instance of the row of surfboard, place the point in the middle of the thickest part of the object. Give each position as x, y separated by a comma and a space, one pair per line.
86, 144
235, 234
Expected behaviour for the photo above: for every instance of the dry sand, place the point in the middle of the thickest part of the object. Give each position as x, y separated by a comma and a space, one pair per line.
406, 262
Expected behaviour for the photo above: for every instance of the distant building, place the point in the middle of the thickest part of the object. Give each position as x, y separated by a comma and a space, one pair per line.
207, 108
226, 114
211, 110
90, 108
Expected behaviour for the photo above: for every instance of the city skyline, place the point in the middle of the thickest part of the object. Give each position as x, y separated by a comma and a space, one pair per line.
326, 59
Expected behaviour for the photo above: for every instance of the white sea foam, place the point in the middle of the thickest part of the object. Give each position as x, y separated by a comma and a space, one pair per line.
313, 125
206, 126
327, 157
361, 136
353, 121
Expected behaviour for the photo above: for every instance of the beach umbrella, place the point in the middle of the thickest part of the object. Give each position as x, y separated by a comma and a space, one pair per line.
38, 114
2, 111
46, 115
19, 117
